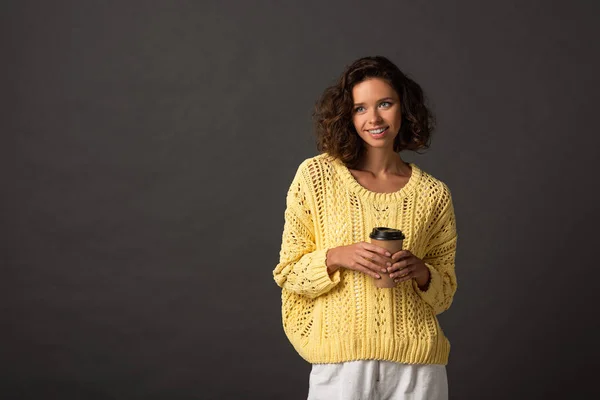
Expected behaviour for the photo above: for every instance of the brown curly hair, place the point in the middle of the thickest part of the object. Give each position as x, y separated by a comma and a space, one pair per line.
333, 113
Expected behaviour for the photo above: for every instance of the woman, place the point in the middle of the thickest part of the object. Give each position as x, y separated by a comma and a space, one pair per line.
365, 342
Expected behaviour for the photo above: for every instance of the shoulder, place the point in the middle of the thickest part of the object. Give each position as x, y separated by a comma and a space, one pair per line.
320, 161
309, 180
435, 190
314, 169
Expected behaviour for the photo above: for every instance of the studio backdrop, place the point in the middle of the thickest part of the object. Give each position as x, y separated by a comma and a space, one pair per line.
145, 153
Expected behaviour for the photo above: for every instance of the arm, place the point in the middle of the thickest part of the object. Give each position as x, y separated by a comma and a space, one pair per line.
439, 259
302, 268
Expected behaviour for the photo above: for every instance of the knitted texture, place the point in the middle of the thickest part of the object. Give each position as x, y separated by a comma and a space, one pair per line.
343, 316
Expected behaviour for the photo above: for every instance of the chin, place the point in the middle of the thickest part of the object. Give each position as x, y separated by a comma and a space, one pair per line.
379, 143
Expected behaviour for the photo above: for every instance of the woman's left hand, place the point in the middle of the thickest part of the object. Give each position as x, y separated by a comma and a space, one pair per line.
406, 265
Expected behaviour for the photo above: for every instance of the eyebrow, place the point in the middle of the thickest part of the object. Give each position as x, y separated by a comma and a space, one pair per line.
378, 101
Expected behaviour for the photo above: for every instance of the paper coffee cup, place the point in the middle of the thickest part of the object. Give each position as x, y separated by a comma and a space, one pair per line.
391, 240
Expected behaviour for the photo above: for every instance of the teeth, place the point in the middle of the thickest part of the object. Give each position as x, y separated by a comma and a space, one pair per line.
376, 131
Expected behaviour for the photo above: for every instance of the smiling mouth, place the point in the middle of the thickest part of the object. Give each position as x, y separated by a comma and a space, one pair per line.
378, 132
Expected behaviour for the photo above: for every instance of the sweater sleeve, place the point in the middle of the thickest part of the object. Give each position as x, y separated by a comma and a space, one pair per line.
302, 268
439, 258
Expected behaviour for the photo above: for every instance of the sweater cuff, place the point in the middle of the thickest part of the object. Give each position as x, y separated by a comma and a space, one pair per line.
322, 281
433, 289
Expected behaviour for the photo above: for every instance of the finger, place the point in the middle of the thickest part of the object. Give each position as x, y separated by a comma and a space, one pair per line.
357, 265
404, 272
370, 265
398, 266
403, 279
406, 276
382, 263
376, 249
403, 264
401, 254
367, 271
381, 256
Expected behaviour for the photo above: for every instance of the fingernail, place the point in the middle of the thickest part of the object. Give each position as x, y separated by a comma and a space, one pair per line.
389, 264
377, 276
387, 253
383, 270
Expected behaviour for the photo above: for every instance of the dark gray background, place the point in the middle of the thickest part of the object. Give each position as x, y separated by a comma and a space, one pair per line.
147, 147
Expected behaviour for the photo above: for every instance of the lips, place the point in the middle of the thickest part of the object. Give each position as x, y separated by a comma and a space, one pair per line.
378, 132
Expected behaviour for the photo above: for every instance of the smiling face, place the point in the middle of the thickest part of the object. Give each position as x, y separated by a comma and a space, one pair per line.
377, 113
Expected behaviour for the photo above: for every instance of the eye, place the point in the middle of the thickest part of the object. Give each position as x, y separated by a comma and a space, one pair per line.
385, 104
359, 109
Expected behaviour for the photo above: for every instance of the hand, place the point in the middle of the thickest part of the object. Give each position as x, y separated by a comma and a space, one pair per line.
364, 257
408, 266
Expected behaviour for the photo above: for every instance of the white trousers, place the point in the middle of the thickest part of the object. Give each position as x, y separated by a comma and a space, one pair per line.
377, 380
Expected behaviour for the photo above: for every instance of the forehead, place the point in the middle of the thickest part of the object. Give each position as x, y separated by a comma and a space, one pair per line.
372, 89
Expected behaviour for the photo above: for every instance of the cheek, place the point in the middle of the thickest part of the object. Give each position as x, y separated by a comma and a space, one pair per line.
398, 117
356, 121
395, 117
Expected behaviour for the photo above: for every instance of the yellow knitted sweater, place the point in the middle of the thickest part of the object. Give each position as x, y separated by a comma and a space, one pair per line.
343, 316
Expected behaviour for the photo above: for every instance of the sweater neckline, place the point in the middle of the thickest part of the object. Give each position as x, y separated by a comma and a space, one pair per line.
357, 188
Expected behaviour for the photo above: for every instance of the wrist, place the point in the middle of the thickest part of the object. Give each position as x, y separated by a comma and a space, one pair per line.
423, 282
330, 261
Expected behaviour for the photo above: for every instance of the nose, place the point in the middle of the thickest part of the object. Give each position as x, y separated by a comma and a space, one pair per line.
374, 117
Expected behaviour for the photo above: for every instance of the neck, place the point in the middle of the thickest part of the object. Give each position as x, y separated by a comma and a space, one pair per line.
382, 162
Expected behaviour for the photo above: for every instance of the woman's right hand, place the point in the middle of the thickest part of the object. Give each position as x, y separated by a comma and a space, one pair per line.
362, 256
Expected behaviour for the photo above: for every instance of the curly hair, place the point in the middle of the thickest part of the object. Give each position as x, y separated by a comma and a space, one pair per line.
333, 112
